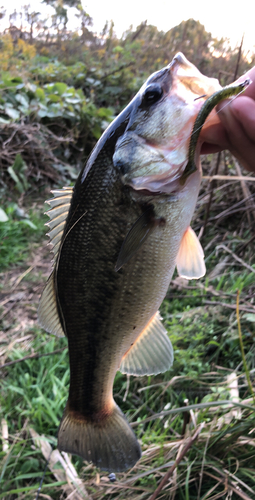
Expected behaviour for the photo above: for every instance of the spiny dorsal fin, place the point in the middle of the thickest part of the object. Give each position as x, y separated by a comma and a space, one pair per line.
48, 316
59, 208
152, 353
190, 259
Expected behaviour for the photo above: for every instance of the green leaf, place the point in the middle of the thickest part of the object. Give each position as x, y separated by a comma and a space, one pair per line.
73, 100
249, 317
40, 93
80, 76
3, 120
17, 173
22, 99
59, 87
42, 113
16, 79
19, 163
54, 98
15, 179
29, 223
3, 216
117, 49
105, 113
31, 87
80, 93
12, 113
96, 131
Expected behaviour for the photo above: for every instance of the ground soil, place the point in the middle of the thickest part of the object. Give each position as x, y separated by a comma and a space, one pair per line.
19, 298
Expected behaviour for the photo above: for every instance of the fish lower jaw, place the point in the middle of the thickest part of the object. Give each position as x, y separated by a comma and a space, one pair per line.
159, 185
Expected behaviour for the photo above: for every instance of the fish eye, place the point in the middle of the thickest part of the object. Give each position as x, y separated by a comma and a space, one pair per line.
152, 93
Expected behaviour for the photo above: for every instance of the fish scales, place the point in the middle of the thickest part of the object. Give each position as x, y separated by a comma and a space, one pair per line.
126, 229
93, 285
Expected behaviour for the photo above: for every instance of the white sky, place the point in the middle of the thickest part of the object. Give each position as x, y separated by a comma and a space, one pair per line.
216, 15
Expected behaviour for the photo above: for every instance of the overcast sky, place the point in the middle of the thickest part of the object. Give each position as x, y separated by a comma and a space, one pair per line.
217, 16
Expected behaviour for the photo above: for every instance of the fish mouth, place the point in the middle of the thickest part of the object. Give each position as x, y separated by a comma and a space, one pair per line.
157, 184
152, 154
165, 172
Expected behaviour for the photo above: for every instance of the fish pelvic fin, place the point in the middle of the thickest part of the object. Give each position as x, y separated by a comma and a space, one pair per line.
152, 352
107, 441
190, 259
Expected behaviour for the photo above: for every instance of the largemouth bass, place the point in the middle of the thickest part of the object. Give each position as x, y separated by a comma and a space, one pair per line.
117, 238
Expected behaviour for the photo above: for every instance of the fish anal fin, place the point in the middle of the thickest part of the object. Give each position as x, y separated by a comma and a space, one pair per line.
152, 353
190, 259
108, 442
48, 317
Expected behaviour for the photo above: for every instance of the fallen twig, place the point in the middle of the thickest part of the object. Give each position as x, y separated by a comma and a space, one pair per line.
213, 186
229, 485
241, 261
228, 178
247, 194
230, 306
5, 435
31, 356
62, 468
242, 347
198, 406
176, 463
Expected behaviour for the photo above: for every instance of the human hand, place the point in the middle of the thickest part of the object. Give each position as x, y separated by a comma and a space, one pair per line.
236, 129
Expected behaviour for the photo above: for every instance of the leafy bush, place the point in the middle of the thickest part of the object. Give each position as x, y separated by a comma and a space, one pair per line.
54, 122
20, 100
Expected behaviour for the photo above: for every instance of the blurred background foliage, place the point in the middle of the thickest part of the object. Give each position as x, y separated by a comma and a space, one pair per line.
64, 87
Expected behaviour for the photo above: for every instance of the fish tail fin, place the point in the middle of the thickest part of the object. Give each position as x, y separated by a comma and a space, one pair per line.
108, 442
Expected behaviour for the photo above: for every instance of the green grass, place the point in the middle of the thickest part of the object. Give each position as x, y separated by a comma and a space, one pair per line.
34, 393
17, 234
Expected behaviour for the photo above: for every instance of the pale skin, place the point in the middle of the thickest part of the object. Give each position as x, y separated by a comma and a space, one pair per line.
236, 129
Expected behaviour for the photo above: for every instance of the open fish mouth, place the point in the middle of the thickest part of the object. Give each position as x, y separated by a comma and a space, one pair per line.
152, 153
157, 184
164, 166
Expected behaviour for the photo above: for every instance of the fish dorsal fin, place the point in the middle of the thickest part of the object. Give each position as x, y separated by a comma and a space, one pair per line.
190, 259
48, 316
59, 208
135, 238
152, 352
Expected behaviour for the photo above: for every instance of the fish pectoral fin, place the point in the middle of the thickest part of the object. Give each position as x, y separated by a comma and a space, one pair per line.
48, 317
152, 352
108, 441
59, 208
190, 259
135, 238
